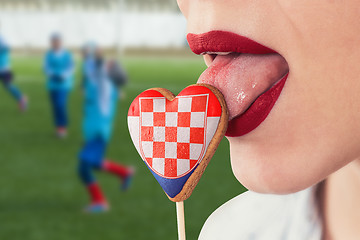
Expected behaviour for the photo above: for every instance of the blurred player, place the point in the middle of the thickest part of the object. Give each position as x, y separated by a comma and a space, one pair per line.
101, 79
6, 76
59, 70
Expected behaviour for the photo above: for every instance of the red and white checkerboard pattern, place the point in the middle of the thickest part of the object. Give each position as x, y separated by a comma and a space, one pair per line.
172, 135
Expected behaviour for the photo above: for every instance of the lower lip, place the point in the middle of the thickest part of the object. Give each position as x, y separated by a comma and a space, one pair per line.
257, 112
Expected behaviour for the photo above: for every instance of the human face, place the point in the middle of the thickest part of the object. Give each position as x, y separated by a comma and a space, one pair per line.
56, 44
313, 128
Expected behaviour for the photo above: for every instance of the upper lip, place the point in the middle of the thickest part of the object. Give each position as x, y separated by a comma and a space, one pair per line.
215, 42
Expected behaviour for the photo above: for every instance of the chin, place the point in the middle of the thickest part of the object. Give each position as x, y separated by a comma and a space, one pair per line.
274, 172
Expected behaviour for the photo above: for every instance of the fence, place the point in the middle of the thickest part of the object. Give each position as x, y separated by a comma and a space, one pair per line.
31, 28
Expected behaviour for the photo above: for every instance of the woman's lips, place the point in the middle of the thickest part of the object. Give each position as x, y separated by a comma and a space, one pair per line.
222, 41
251, 83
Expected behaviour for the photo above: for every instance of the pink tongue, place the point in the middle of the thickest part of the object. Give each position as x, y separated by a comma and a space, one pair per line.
244, 77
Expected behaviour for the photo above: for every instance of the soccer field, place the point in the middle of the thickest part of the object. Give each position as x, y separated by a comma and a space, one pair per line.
40, 195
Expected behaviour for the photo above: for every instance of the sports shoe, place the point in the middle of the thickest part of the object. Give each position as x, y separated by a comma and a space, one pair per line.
61, 132
23, 103
126, 183
97, 208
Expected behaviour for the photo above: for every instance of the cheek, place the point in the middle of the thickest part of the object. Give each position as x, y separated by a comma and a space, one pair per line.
314, 129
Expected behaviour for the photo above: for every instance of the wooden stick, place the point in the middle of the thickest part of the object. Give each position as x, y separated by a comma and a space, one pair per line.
180, 220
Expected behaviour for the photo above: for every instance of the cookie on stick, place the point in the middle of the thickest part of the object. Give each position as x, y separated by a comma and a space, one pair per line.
176, 136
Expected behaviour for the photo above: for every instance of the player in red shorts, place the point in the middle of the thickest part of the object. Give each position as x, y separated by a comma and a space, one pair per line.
101, 96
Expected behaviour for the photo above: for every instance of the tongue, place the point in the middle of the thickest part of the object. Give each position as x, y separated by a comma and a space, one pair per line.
244, 77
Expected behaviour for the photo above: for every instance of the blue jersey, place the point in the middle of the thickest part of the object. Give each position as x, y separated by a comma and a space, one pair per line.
100, 102
4, 55
59, 69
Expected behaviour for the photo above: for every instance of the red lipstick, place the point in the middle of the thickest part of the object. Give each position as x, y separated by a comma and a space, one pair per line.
221, 41
250, 75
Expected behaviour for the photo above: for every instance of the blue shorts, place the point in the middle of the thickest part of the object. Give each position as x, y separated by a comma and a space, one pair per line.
93, 152
6, 77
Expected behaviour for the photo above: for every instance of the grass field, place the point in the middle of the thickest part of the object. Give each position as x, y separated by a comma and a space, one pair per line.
40, 195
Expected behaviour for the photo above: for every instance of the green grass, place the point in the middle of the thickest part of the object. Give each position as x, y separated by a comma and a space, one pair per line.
40, 195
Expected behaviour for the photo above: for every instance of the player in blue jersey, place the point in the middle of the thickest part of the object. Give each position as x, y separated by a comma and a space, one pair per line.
59, 71
6, 76
100, 102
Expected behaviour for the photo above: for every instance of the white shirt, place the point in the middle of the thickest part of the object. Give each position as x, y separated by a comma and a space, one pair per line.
254, 216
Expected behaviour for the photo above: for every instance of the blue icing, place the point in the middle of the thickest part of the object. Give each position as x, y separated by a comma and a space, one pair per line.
172, 187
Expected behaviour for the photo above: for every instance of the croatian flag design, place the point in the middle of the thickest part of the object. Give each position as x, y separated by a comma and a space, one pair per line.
172, 136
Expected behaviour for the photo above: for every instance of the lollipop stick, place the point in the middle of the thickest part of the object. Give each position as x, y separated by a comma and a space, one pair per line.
180, 220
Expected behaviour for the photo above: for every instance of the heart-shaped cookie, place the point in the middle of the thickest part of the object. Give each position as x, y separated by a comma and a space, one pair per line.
176, 136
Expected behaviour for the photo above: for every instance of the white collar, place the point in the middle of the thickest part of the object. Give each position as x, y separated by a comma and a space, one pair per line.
262, 216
